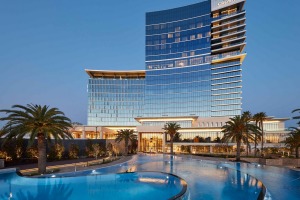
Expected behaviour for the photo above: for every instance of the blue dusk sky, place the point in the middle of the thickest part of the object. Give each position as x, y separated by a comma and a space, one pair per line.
46, 45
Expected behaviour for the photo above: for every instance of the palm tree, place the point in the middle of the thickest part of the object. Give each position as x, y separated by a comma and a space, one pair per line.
126, 135
247, 115
293, 141
171, 128
236, 129
37, 122
296, 117
256, 138
261, 117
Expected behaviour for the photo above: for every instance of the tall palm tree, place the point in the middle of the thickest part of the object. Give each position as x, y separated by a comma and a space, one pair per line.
126, 135
247, 115
37, 122
171, 128
293, 141
261, 117
236, 130
296, 117
256, 138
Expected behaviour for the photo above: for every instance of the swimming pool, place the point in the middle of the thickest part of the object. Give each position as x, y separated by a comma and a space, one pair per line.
208, 179
141, 185
205, 179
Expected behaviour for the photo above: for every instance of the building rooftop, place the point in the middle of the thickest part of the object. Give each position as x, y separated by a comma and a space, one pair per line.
115, 74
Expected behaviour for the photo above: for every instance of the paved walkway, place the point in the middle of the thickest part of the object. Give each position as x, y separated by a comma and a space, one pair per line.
72, 165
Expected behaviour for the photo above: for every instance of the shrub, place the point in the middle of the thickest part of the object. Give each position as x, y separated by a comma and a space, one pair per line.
32, 152
73, 151
56, 152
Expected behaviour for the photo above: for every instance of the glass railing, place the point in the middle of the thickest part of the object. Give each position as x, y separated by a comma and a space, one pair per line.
229, 33
228, 22
227, 15
229, 39
225, 55
229, 45
230, 27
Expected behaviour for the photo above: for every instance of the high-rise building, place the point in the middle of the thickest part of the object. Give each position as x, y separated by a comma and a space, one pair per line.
193, 60
115, 98
193, 76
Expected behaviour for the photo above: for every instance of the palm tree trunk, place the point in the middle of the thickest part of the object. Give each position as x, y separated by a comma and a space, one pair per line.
297, 152
238, 150
126, 147
171, 143
255, 145
42, 159
247, 144
262, 138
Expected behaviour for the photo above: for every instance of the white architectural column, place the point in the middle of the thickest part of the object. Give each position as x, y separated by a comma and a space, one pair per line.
211, 149
139, 141
83, 133
96, 133
101, 134
164, 142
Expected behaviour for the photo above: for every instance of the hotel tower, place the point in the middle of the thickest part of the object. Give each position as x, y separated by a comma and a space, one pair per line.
193, 76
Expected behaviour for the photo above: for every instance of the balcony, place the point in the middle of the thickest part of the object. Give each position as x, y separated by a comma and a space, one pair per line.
215, 37
232, 39
222, 17
234, 55
243, 19
231, 28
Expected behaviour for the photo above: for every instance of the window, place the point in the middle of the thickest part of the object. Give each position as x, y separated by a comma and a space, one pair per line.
192, 37
196, 61
199, 25
170, 35
199, 35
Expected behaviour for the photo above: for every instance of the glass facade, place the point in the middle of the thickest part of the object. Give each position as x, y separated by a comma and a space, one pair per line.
193, 68
115, 101
185, 73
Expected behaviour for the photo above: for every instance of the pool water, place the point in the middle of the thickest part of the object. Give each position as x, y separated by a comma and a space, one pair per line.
205, 180
142, 185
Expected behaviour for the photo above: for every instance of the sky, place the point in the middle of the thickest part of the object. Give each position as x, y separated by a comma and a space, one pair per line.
46, 45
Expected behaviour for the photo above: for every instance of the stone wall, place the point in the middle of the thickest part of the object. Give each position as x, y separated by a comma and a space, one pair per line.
2, 163
275, 162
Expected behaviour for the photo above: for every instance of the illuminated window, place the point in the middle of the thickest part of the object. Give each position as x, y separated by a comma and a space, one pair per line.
215, 15
199, 35
192, 37
170, 35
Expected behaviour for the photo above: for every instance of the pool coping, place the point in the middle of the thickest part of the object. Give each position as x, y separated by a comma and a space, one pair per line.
183, 182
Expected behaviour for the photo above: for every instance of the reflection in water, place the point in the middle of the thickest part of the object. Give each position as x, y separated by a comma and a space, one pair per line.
45, 190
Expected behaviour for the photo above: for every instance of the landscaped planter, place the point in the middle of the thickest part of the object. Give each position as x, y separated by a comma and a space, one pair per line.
291, 162
275, 162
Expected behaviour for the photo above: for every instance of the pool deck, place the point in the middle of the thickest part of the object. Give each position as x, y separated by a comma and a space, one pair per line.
83, 164
72, 165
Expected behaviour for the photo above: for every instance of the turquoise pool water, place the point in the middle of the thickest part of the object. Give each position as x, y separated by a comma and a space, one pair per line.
205, 180
141, 185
